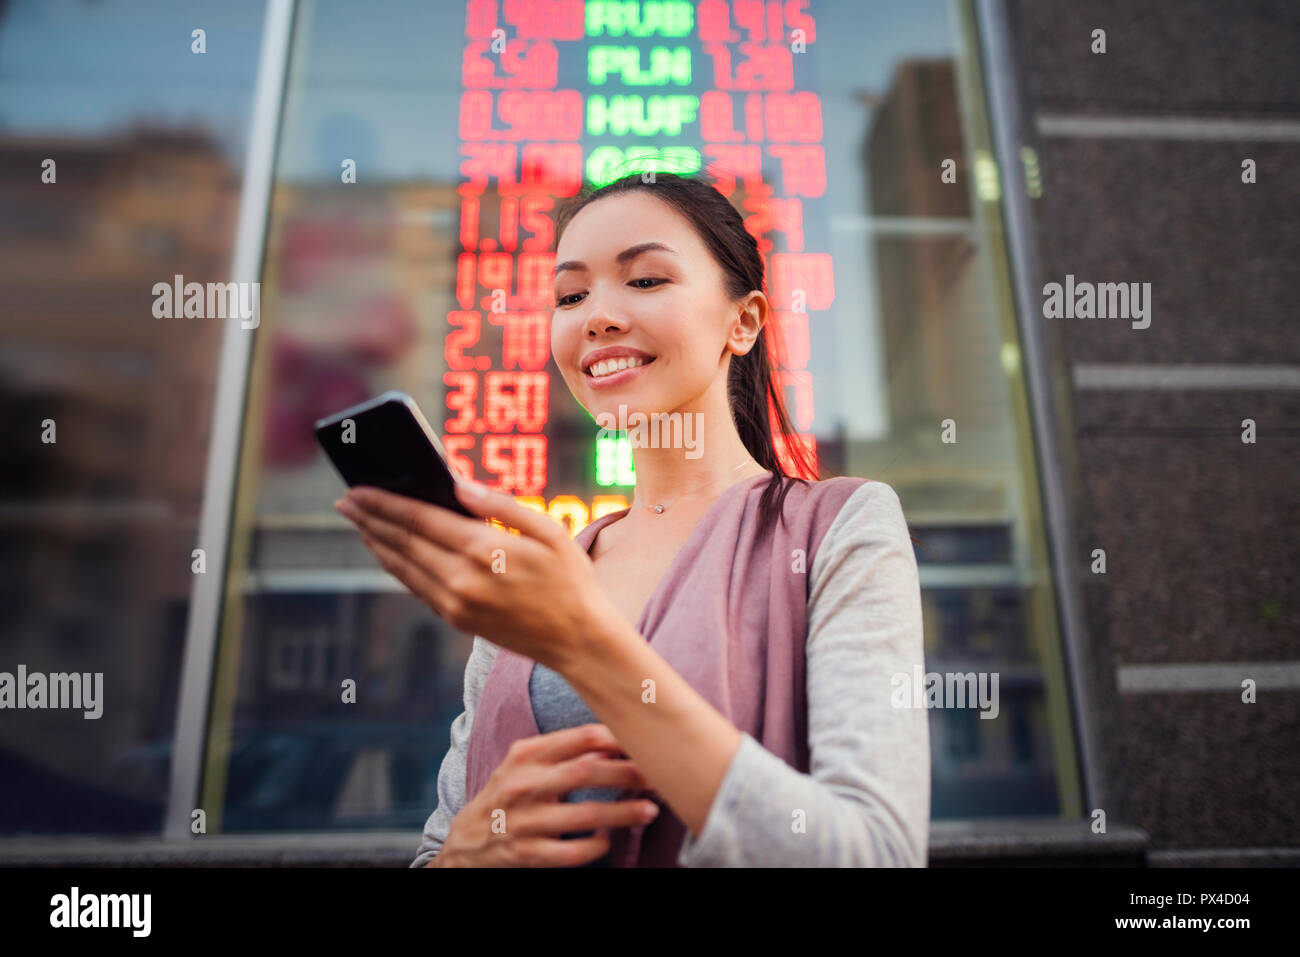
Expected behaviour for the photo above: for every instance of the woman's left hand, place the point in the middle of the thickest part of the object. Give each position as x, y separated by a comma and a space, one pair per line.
534, 593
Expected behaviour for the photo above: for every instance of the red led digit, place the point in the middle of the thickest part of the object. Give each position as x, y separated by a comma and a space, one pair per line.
714, 19
777, 213
790, 344
475, 168
533, 217
525, 64
475, 115
468, 222
562, 115
480, 18
793, 117
518, 460
554, 168
466, 273
485, 162
759, 222
494, 273
774, 213
464, 336
798, 20
518, 112
516, 401
534, 280
552, 115
754, 116
457, 448
462, 399
525, 339
802, 279
509, 232
782, 445
533, 63
749, 17
775, 26
803, 169
721, 58
476, 70
768, 67
730, 163
552, 19
716, 119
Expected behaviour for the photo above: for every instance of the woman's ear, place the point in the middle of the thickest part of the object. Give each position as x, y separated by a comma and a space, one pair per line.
751, 315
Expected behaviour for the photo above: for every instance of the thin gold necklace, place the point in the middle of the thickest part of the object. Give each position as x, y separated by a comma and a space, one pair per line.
659, 508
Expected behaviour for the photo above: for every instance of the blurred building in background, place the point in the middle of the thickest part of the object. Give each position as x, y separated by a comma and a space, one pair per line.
914, 172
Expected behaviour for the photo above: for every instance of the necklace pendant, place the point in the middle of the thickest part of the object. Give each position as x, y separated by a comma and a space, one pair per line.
659, 509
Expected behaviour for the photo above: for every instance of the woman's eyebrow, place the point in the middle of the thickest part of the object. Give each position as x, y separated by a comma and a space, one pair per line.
622, 258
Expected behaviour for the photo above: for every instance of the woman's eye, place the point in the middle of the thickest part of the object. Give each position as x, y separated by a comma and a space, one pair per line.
646, 282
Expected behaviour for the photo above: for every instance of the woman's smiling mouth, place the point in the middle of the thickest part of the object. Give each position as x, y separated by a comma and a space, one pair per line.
607, 372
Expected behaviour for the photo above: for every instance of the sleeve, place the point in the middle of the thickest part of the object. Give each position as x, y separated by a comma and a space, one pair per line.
866, 800
451, 775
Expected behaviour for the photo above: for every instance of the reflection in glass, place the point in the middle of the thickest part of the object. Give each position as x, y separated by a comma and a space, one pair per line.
112, 178
423, 275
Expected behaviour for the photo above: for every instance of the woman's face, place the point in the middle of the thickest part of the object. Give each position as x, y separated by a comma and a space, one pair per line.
632, 276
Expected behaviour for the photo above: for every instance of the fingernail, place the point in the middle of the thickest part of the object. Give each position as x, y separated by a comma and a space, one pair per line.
472, 489
650, 811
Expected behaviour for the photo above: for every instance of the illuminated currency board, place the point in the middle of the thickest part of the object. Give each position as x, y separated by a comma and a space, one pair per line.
558, 94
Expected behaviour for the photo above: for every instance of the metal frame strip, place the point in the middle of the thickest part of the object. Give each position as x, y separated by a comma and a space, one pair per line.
1008, 129
227, 423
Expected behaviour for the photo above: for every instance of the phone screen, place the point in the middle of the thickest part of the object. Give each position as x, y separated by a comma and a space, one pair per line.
387, 443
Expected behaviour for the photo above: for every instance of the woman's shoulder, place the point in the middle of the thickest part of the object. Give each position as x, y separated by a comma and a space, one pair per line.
840, 499
869, 504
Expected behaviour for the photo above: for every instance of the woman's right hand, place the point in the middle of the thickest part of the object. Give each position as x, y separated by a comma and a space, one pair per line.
522, 799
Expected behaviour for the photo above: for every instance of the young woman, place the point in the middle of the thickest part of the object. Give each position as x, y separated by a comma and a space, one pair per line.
704, 678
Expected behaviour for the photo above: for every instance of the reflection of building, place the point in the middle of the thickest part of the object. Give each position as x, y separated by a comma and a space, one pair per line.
108, 511
938, 352
940, 323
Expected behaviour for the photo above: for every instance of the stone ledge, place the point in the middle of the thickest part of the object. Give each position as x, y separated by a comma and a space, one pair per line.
952, 843
1035, 842
369, 849
1226, 857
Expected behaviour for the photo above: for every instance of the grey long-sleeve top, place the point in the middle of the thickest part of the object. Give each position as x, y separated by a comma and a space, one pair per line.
866, 798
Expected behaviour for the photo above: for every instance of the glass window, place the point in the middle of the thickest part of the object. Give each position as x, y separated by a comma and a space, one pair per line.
423, 154
121, 152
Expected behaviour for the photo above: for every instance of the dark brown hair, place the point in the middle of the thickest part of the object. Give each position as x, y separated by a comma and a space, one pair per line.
752, 388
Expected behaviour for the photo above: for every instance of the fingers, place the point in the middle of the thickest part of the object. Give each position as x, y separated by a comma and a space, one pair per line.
530, 783
556, 746
499, 505
406, 540
562, 818
594, 770
439, 525
433, 540
553, 852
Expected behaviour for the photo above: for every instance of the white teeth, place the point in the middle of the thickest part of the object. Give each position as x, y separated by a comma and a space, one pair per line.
610, 366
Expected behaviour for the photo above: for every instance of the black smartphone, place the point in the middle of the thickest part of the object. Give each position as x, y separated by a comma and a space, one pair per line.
386, 442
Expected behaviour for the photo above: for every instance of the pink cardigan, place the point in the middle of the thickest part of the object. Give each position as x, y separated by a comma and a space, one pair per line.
729, 615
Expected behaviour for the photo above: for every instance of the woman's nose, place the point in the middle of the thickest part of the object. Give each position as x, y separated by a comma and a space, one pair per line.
601, 320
